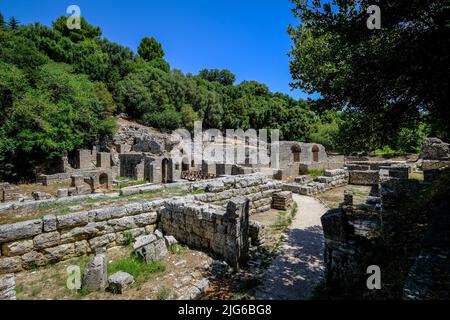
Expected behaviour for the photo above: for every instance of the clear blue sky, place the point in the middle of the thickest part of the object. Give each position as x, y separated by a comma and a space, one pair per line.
248, 37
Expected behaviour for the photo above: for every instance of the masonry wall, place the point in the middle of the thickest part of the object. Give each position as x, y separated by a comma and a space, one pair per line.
34, 243
223, 231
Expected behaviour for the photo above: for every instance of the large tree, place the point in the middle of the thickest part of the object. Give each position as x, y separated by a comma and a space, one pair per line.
150, 49
224, 77
13, 23
384, 79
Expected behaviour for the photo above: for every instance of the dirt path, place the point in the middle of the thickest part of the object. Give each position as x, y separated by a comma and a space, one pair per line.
298, 266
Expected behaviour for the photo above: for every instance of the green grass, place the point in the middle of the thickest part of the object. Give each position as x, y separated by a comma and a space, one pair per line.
178, 249
315, 172
126, 184
387, 151
140, 270
285, 218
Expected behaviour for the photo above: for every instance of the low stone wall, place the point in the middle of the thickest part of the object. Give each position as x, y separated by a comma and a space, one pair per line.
364, 178
331, 179
7, 287
34, 243
224, 232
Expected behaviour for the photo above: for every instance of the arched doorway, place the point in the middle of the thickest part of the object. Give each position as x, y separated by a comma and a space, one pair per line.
103, 181
296, 152
315, 152
165, 170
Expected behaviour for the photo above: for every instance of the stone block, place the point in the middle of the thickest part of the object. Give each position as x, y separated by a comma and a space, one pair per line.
95, 274
335, 225
118, 281
17, 248
10, 264
7, 287
20, 230
72, 220
46, 240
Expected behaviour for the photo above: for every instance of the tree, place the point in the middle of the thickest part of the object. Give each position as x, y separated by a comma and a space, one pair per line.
224, 77
2, 22
86, 32
150, 49
13, 23
384, 79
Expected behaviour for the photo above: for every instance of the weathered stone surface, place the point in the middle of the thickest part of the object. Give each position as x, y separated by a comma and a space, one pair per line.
46, 240
124, 237
95, 274
102, 241
79, 233
435, 149
7, 287
82, 248
107, 213
33, 259
121, 224
170, 240
158, 234
335, 225
72, 220
153, 251
17, 248
62, 252
143, 241
20, 230
41, 196
118, 281
50, 223
145, 219
10, 264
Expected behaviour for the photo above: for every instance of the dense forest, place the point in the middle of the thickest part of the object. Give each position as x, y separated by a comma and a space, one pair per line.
60, 89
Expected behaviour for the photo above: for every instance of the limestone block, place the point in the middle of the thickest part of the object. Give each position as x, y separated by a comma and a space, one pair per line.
121, 224
46, 240
7, 287
60, 253
20, 230
33, 259
50, 223
17, 248
146, 219
95, 274
102, 241
79, 233
72, 220
335, 225
82, 248
118, 281
10, 264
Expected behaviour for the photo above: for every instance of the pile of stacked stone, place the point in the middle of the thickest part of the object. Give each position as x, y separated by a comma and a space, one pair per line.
6, 192
331, 179
282, 200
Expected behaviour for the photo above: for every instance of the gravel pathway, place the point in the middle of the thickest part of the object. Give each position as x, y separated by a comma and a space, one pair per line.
298, 266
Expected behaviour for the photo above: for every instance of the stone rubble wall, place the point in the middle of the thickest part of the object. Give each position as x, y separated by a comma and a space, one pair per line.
364, 177
331, 179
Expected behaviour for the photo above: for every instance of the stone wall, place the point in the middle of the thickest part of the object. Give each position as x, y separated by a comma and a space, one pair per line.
364, 177
34, 243
224, 232
330, 179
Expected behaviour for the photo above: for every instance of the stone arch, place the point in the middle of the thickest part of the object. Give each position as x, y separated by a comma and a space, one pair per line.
315, 153
296, 152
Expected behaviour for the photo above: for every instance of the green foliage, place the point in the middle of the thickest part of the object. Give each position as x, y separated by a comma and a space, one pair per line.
383, 80
87, 31
178, 249
140, 270
2, 22
224, 77
150, 49
315, 172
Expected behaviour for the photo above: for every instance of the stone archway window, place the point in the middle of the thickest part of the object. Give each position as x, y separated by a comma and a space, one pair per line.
296, 152
315, 152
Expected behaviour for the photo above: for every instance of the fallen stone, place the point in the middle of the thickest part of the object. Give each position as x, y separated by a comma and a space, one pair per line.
118, 281
170, 240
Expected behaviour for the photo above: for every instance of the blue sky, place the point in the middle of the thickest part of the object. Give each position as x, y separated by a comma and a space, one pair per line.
248, 37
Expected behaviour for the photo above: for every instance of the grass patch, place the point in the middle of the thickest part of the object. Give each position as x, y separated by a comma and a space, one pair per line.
125, 184
140, 270
178, 249
315, 172
416, 175
285, 218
